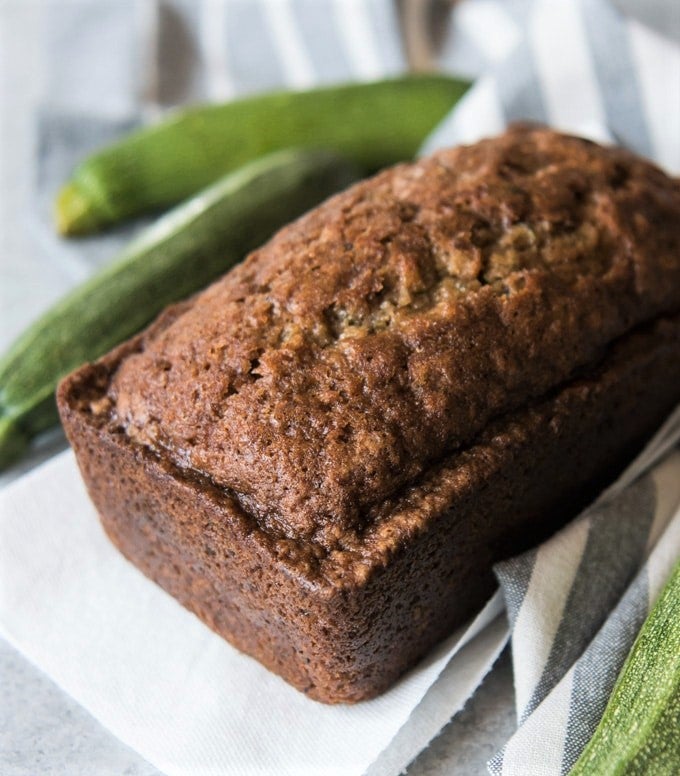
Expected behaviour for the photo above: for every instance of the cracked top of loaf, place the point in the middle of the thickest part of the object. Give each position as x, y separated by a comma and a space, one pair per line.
386, 328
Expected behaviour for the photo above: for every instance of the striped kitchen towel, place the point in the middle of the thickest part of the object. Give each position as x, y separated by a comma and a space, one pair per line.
576, 603
576, 65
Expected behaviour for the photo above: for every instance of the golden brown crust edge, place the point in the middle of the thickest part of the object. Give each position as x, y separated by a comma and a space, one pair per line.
387, 327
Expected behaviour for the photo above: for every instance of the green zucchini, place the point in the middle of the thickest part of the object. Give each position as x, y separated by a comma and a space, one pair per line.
179, 254
374, 124
639, 732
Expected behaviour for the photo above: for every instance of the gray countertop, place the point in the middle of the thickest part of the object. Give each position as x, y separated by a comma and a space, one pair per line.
44, 731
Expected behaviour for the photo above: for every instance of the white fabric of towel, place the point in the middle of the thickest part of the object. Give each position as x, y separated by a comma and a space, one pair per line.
153, 674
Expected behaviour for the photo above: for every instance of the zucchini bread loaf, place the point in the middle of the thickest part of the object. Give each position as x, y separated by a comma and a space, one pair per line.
323, 453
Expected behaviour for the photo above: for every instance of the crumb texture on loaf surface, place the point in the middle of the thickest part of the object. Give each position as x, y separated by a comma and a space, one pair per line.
386, 328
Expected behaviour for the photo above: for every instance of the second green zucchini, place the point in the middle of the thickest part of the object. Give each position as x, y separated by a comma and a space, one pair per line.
178, 255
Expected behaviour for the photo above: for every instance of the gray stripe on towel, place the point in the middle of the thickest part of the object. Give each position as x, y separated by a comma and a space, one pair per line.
514, 577
519, 89
616, 542
253, 58
596, 671
385, 26
320, 34
609, 45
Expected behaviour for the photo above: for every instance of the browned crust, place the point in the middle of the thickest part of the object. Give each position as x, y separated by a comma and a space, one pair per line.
386, 328
343, 628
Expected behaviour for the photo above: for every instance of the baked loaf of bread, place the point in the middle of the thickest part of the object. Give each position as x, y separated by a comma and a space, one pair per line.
323, 453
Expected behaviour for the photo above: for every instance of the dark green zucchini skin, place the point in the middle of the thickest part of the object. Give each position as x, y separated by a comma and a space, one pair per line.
639, 733
179, 254
374, 124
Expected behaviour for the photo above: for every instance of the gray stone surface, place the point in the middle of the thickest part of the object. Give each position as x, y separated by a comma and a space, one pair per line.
44, 731
475, 734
